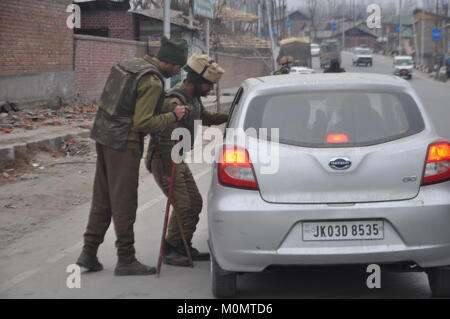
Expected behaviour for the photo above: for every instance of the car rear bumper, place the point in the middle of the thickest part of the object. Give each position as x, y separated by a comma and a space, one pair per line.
248, 234
403, 72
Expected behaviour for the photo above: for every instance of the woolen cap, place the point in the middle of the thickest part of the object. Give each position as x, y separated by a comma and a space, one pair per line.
286, 59
173, 51
205, 66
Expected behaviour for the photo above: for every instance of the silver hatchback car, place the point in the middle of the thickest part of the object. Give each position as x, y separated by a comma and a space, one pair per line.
355, 174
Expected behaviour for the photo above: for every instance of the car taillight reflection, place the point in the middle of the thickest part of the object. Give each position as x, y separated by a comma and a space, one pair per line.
337, 138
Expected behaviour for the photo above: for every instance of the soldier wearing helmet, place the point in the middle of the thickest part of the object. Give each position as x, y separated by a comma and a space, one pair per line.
202, 74
286, 63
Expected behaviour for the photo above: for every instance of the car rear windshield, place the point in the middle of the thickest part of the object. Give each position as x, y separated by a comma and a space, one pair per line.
403, 62
364, 52
335, 118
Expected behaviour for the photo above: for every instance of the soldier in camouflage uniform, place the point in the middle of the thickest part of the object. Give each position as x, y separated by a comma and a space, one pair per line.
203, 72
128, 111
286, 63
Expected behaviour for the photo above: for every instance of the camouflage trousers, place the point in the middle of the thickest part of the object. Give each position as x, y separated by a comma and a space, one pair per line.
187, 200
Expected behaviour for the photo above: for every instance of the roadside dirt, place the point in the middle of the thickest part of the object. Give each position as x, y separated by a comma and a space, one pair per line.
45, 185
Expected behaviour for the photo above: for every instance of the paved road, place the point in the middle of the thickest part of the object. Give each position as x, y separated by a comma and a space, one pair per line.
35, 266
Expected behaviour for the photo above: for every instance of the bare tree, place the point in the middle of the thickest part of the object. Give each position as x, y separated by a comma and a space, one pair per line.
332, 8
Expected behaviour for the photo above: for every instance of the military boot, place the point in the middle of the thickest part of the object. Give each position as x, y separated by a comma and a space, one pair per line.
89, 262
199, 256
173, 257
195, 254
132, 268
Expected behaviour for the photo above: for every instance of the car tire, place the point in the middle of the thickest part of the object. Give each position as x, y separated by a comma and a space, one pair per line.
439, 281
223, 282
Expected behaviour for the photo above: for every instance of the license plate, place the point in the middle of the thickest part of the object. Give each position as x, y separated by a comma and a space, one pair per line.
351, 230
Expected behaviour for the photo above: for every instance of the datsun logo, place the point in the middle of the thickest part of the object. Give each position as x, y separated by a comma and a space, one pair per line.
340, 163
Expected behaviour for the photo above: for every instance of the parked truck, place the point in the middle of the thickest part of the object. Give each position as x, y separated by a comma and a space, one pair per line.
299, 49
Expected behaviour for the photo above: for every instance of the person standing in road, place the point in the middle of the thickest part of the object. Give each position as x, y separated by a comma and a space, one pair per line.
202, 74
129, 110
286, 63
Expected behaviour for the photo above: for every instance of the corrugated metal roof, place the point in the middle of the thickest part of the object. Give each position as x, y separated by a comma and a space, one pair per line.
228, 14
241, 41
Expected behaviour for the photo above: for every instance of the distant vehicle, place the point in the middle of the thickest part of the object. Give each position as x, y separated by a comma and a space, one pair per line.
362, 56
359, 176
315, 49
301, 70
299, 50
329, 50
403, 66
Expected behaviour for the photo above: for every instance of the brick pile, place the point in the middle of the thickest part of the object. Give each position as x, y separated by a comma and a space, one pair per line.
33, 119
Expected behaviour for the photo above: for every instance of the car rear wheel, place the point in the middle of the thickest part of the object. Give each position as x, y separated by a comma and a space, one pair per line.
223, 282
439, 280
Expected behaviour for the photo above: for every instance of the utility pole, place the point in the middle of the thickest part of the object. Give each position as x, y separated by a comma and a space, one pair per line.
400, 46
422, 38
343, 32
207, 32
167, 28
444, 28
260, 17
272, 43
436, 24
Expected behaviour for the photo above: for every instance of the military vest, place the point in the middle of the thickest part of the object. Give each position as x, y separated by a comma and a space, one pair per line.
114, 118
194, 106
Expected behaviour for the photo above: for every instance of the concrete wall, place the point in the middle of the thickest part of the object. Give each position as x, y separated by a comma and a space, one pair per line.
94, 57
36, 51
238, 68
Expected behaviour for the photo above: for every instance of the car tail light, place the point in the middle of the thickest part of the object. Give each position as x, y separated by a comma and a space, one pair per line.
437, 166
337, 138
235, 168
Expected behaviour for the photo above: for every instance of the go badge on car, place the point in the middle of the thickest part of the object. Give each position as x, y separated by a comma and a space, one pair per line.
340, 163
